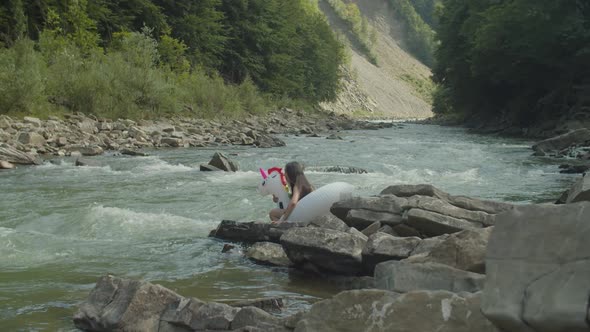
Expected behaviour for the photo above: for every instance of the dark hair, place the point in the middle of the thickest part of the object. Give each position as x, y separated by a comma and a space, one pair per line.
294, 172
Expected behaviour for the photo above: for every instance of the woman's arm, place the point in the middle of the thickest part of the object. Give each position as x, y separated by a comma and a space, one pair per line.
292, 203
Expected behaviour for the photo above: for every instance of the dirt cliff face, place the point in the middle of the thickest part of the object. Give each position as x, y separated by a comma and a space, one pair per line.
392, 89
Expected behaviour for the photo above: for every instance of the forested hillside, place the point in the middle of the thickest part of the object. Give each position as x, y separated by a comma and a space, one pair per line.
156, 57
518, 62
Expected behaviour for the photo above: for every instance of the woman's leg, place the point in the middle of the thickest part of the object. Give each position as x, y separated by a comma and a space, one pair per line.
275, 214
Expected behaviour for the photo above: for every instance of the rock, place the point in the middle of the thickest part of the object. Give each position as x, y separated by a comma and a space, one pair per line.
180, 315
387, 230
404, 277
124, 305
325, 249
334, 136
464, 250
31, 138
383, 247
575, 137
580, 191
390, 204
268, 304
172, 142
361, 219
330, 222
220, 161
405, 231
213, 316
129, 152
90, 150
408, 190
426, 245
443, 207
358, 233
227, 248
339, 169
434, 224
61, 141
268, 253
34, 121
252, 231
12, 155
6, 165
267, 141
209, 168
371, 229
258, 318
378, 310
5, 122
537, 269
573, 169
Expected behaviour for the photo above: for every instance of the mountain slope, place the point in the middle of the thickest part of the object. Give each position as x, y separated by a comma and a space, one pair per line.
394, 88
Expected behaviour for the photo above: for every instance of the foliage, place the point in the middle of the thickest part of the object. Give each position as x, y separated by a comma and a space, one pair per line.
427, 10
517, 60
361, 29
419, 36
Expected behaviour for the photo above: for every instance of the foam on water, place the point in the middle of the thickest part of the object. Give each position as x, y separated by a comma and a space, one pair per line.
154, 165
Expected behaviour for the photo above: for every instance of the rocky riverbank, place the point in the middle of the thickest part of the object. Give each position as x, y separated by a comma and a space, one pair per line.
416, 259
23, 141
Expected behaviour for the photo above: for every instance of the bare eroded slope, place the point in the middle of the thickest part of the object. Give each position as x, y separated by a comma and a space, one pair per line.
386, 90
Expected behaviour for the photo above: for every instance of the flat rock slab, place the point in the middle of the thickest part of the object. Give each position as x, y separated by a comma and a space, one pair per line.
538, 269
378, 310
268, 253
580, 191
580, 136
403, 277
253, 231
435, 224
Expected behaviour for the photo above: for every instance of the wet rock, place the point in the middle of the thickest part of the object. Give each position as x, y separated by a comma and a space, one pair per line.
209, 168
254, 317
6, 165
268, 304
573, 169
580, 191
129, 152
325, 249
124, 305
227, 248
404, 277
379, 310
31, 138
268, 253
339, 169
85, 150
220, 161
575, 137
267, 141
537, 269
434, 224
335, 137
251, 232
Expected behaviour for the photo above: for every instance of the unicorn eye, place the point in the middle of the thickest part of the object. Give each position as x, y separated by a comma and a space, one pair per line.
263, 182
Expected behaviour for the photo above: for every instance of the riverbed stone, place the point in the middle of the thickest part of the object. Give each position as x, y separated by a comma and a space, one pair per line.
36, 122
379, 310
580, 190
6, 165
124, 305
254, 231
222, 162
557, 143
434, 224
85, 150
12, 155
268, 253
325, 249
404, 277
31, 138
537, 269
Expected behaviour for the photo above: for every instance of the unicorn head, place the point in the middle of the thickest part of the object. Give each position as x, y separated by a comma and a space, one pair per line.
274, 182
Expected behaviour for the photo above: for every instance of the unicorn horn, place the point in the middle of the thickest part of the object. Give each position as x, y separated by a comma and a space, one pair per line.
263, 173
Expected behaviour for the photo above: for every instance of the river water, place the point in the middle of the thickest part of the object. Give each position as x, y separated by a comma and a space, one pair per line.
62, 226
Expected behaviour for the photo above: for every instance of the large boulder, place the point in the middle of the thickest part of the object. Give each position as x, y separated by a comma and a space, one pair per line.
329, 221
220, 161
254, 231
324, 249
389, 204
403, 277
575, 137
464, 250
117, 304
195, 315
85, 150
268, 253
580, 191
267, 141
6, 165
537, 269
361, 218
378, 310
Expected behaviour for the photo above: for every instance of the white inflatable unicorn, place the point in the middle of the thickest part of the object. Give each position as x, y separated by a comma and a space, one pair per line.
315, 204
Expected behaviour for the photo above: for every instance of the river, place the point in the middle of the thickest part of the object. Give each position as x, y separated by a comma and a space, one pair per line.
62, 226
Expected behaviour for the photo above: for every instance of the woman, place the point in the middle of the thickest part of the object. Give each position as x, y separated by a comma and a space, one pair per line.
300, 187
